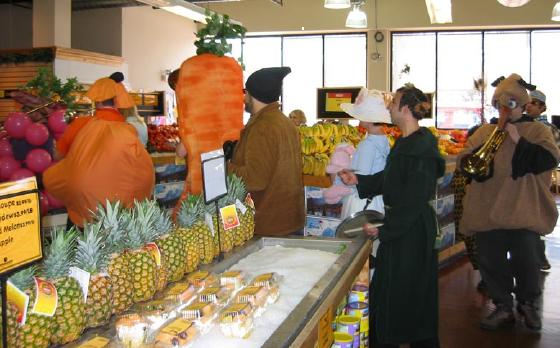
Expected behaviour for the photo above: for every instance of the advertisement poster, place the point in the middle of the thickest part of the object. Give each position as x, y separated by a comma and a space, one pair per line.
229, 217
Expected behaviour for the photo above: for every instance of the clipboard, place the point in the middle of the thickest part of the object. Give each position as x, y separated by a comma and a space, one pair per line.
214, 175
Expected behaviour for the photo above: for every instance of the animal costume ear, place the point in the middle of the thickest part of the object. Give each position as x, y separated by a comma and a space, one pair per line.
527, 85
498, 80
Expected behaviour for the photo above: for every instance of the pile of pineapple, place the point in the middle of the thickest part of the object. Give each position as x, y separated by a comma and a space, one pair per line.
116, 249
319, 141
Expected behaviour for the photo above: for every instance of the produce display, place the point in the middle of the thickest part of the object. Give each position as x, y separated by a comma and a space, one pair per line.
450, 141
130, 255
163, 138
27, 137
319, 141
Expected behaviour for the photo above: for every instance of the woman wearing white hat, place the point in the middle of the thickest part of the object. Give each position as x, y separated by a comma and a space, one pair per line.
370, 157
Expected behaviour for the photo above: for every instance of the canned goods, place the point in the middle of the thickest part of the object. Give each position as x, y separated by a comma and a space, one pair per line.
359, 293
350, 325
343, 340
360, 310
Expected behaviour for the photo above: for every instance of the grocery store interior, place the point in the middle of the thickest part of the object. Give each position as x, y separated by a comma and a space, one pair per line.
156, 255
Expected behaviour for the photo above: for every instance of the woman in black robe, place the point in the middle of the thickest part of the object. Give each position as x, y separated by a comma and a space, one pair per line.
404, 301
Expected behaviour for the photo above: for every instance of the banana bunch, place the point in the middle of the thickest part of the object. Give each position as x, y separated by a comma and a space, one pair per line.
319, 141
315, 164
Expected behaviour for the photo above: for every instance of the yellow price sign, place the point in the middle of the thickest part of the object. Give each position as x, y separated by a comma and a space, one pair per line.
333, 101
20, 230
229, 217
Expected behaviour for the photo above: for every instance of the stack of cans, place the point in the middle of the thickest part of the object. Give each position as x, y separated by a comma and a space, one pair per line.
358, 307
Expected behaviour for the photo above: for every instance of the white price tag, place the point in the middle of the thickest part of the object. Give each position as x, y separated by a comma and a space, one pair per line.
242, 208
208, 220
83, 279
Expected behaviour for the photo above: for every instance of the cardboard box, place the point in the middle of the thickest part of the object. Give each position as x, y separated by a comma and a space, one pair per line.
320, 226
446, 237
167, 194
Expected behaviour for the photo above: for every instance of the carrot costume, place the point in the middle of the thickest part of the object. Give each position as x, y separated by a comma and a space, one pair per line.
210, 95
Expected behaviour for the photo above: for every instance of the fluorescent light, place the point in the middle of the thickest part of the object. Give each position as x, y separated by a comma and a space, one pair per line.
556, 12
186, 12
356, 18
337, 4
180, 7
439, 11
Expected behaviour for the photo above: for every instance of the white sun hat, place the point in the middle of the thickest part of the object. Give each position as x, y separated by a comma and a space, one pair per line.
369, 106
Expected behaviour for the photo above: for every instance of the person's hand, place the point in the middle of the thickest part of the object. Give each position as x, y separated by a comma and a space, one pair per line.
348, 177
513, 133
371, 230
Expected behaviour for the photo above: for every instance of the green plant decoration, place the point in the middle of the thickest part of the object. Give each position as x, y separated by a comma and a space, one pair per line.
213, 37
47, 85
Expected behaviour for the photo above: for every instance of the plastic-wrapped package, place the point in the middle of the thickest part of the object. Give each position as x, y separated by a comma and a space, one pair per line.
271, 281
219, 296
131, 330
180, 292
256, 296
203, 314
202, 279
233, 280
236, 320
178, 332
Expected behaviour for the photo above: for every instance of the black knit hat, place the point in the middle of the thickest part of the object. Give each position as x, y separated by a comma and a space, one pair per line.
265, 85
117, 76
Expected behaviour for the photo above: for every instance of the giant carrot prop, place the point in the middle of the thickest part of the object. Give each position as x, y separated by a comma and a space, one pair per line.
209, 96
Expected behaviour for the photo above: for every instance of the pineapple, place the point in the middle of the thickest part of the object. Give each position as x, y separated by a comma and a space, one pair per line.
172, 247
247, 220
142, 263
13, 326
113, 220
36, 332
191, 217
69, 318
92, 256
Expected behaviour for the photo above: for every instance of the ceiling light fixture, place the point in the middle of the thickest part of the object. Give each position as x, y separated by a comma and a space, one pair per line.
556, 12
357, 18
180, 7
337, 4
439, 11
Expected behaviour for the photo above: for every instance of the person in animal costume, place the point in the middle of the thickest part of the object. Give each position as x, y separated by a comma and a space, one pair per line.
511, 206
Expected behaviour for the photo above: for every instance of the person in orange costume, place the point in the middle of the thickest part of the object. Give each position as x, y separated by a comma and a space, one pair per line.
103, 159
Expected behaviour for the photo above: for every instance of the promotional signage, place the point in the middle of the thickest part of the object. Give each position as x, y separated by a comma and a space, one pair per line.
20, 230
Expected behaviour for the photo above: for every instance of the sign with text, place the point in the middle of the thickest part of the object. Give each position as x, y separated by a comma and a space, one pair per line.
20, 230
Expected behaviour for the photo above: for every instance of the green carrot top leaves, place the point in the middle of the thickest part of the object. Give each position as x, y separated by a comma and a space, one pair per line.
213, 37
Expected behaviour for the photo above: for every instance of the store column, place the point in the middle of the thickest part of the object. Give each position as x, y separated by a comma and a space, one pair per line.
52, 23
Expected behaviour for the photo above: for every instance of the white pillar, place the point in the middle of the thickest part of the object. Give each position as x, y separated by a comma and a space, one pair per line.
52, 23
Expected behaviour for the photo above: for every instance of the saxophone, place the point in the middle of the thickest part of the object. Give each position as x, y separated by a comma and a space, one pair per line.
478, 165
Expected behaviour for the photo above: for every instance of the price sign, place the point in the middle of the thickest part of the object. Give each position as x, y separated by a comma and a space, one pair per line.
20, 230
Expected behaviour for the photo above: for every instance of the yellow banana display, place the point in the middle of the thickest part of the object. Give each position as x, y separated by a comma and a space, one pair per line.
319, 141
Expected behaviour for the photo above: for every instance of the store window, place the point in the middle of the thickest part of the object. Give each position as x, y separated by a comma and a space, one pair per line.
544, 67
461, 65
414, 60
334, 60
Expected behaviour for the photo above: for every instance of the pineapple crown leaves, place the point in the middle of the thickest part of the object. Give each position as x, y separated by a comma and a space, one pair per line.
91, 251
112, 219
60, 253
213, 37
141, 229
163, 222
192, 210
24, 278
